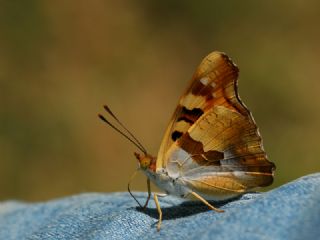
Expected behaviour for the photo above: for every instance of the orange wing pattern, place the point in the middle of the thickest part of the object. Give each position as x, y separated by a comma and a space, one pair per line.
218, 132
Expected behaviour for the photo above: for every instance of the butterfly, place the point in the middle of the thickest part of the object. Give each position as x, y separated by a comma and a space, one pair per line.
212, 149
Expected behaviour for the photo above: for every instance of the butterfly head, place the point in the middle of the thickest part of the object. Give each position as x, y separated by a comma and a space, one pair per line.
146, 161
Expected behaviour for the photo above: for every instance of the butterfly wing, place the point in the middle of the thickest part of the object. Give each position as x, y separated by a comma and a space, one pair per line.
212, 140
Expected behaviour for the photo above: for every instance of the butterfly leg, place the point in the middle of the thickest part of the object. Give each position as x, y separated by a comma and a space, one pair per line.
149, 194
159, 211
196, 195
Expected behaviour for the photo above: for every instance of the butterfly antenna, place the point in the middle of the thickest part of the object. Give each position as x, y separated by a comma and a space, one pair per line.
123, 134
120, 123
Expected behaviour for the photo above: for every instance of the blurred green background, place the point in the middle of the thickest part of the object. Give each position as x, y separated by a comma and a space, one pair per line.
60, 61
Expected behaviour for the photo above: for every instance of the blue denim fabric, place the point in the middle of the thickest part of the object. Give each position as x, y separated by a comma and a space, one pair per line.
291, 211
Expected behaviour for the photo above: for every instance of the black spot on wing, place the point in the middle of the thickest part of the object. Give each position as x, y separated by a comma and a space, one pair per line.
176, 135
190, 116
184, 118
196, 112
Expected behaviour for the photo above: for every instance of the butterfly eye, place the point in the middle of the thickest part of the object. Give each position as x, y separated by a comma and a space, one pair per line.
145, 163
144, 160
